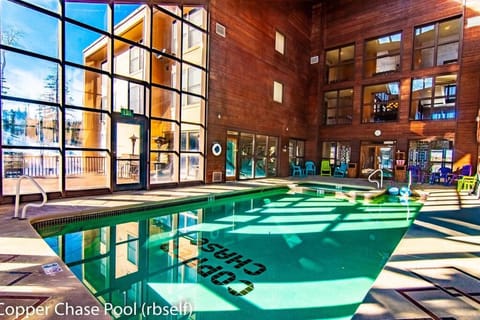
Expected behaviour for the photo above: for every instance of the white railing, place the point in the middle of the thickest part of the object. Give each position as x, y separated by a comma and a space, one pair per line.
379, 184
17, 198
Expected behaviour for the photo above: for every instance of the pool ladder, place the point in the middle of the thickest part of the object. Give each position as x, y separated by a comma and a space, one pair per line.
379, 184
17, 198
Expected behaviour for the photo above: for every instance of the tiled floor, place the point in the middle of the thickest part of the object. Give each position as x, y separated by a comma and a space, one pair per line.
433, 274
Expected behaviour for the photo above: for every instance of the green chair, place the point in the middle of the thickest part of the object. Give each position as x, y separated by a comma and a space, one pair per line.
467, 183
325, 169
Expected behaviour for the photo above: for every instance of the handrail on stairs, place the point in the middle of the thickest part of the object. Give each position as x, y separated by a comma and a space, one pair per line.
379, 184
17, 198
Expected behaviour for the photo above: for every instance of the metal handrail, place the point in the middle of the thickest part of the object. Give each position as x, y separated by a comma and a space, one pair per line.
379, 184
17, 198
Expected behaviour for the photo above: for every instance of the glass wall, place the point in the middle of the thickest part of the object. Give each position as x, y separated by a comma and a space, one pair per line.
58, 98
257, 156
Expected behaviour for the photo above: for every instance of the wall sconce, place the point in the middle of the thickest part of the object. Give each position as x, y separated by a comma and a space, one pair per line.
285, 148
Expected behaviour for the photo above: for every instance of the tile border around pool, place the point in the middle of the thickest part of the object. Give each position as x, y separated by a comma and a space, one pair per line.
63, 218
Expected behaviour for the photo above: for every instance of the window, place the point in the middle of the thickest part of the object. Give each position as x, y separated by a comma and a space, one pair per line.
437, 44
279, 42
430, 155
192, 83
382, 55
380, 102
339, 64
433, 98
277, 92
136, 59
132, 248
296, 152
336, 152
338, 106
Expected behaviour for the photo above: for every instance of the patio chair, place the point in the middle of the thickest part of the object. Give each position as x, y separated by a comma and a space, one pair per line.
341, 170
466, 170
442, 173
467, 183
297, 170
310, 168
325, 169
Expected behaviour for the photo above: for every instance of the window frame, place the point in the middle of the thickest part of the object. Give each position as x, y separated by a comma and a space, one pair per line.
395, 53
280, 42
338, 107
417, 108
437, 43
340, 64
380, 109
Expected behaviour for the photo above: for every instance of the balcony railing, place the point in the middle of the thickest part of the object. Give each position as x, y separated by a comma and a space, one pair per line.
15, 166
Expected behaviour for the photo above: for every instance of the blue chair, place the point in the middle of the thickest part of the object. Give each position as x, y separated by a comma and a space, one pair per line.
310, 168
296, 170
442, 173
341, 170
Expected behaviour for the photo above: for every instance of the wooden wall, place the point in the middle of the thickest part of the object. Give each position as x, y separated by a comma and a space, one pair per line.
348, 21
243, 66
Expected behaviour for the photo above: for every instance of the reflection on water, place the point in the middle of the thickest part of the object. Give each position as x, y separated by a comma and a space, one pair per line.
280, 256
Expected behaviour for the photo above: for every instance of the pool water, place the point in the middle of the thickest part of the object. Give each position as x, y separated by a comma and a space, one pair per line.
276, 255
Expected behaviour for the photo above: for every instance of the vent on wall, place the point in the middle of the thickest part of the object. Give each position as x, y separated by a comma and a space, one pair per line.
217, 176
220, 30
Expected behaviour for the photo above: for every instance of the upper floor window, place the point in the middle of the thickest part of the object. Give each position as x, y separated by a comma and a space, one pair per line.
339, 64
381, 102
338, 106
433, 98
277, 92
136, 59
437, 43
193, 36
382, 55
279, 42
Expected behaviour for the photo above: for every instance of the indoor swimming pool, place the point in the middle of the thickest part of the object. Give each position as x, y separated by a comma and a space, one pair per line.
267, 255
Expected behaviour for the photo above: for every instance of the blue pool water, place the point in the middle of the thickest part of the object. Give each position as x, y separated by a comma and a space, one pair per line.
276, 255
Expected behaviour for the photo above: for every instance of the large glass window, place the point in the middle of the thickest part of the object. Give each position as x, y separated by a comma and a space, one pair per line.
21, 80
340, 64
30, 124
26, 37
381, 102
429, 156
338, 107
437, 43
433, 98
130, 59
382, 55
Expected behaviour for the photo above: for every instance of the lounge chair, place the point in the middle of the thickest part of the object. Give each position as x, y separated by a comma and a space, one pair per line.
310, 168
325, 169
341, 170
